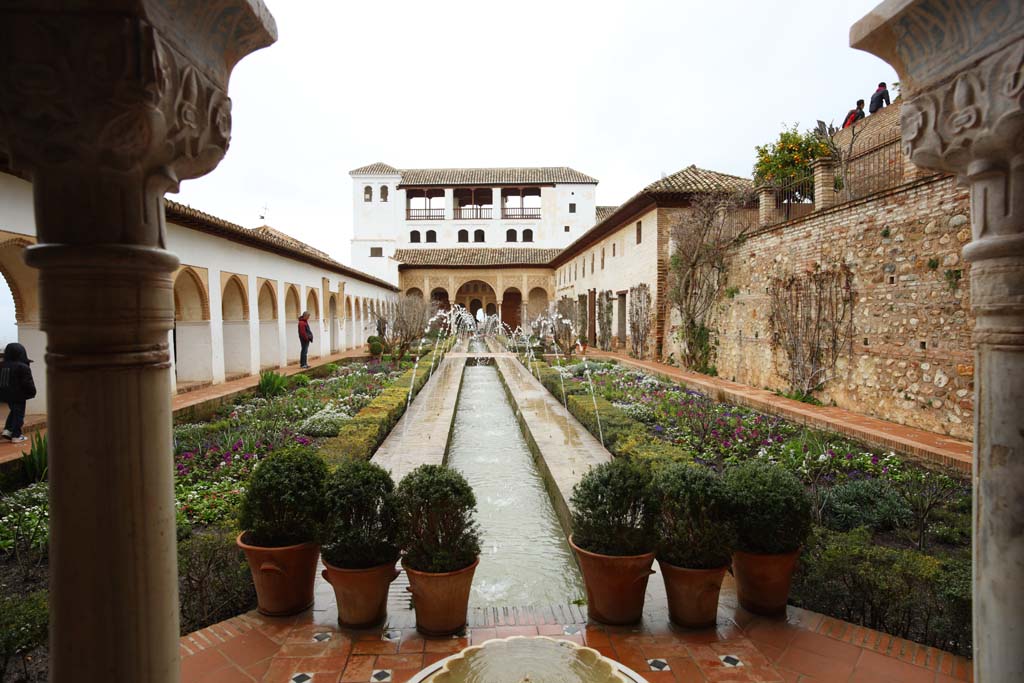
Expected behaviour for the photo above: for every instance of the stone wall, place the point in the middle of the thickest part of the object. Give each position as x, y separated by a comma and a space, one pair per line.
912, 361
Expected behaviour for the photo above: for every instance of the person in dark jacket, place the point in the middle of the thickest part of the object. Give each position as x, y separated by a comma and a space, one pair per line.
854, 115
16, 387
305, 337
881, 95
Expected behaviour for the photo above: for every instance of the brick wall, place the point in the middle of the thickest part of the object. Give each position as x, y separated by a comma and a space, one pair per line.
912, 356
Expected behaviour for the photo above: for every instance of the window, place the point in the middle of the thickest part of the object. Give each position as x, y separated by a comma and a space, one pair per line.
613, 250
510, 235
478, 235
367, 194
602, 258
567, 228
572, 208
383, 193
575, 270
528, 235
376, 252
414, 236
639, 232
431, 235
463, 235
591, 264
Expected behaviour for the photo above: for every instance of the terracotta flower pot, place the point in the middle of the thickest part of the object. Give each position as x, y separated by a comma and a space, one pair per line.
361, 594
283, 576
440, 600
692, 594
615, 585
762, 581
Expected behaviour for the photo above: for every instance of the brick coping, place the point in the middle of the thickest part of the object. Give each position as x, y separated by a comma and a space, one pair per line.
910, 441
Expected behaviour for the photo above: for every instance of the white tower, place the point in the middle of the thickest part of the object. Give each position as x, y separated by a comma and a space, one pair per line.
376, 219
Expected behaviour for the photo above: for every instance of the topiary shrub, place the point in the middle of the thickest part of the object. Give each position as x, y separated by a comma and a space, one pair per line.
770, 506
214, 581
694, 528
24, 621
436, 509
872, 503
376, 349
613, 511
361, 523
283, 504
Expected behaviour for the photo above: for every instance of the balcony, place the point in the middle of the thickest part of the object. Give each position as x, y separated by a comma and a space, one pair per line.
520, 212
424, 214
472, 212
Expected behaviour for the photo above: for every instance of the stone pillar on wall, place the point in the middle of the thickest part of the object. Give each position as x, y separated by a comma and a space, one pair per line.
107, 107
767, 212
449, 203
962, 76
824, 184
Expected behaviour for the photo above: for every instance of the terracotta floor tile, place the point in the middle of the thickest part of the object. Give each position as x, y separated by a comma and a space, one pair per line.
431, 657
480, 635
249, 648
596, 636
685, 670
895, 669
446, 645
509, 631
229, 675
374, 647
809, 663
412, 661
358, 669
777, 634
259, 669
787, 675
827, 647
202, 663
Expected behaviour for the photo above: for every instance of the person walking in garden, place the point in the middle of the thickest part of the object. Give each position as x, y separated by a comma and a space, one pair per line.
879, 99
16, 387
854, 115
305, 338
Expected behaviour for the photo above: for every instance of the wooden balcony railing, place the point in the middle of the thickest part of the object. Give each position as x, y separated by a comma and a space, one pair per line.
424, 214
472, 212
515, 212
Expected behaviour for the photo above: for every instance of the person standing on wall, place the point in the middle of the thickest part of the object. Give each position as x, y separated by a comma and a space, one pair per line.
881, 95
16, 387
854, 115
305, 338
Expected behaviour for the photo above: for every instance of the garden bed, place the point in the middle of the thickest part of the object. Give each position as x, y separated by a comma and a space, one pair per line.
213, 461
891, 542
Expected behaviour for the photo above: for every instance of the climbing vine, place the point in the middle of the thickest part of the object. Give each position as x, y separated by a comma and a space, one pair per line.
605, 303
640, 319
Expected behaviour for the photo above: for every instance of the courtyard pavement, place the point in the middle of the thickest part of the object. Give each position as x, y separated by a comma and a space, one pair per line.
872, 430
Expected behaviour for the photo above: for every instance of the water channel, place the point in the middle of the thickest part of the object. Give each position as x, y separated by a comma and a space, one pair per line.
524, 559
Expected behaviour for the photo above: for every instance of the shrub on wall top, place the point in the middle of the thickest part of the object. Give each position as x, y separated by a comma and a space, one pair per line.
283, 504
613, 509
771, 508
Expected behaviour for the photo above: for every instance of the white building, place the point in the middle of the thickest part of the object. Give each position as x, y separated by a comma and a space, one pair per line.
538, 207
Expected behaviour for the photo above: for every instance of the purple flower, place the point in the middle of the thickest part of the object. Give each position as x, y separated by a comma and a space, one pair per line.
303, 440
849, 456
237, 445
874, 459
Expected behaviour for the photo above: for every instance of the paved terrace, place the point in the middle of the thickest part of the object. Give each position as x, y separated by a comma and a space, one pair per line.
872, 430
806, 647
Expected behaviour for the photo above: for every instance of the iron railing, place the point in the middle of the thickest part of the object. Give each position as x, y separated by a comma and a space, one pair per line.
472, 212
793, 199
424, 214
520, 212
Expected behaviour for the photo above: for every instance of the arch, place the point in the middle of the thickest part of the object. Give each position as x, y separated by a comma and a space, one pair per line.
291, 303
383, 196
414, 291
234, 304
475, 294
511, 307
266, 310
537, 303
464, 235
367, 194
191, 302
414, 236
266, 303
313, 304
431, 236
528, 235
332, 319
439, 298
475, 305
491, 309
478, 235
510, 235
21, 280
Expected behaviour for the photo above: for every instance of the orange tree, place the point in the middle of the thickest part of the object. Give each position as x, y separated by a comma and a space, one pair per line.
788, 159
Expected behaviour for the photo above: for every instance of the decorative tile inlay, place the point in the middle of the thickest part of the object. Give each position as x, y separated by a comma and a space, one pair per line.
571, 630
302, 678
730, 660
380, 676
321, 637
392, 635
658, 665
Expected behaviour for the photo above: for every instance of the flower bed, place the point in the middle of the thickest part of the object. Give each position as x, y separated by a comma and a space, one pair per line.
891, 542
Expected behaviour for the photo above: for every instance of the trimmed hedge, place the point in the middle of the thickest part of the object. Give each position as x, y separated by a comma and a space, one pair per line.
360, 437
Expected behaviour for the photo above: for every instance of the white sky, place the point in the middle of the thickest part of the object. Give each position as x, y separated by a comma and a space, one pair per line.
623, 91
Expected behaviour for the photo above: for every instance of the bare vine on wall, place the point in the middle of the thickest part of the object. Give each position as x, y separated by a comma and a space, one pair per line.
564, 328
812, 321
640, 318
840, 155
605, 304
698, 268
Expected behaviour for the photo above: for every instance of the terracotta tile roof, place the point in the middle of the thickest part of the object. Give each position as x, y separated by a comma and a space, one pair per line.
475, 256
265, 238
479, 176
603, 212
378, 168
693, 179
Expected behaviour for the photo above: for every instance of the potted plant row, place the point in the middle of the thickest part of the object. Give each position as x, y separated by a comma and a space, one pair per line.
694, 522
364, 523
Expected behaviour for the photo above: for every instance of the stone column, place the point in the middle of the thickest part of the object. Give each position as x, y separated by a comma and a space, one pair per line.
767, 211
962, 76
107, 107
824, 184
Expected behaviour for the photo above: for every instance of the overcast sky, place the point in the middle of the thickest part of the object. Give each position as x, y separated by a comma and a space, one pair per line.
622, 91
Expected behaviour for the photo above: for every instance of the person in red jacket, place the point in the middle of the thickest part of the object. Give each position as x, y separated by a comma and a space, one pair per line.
305, 337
